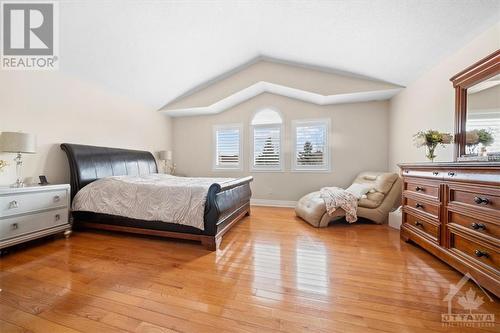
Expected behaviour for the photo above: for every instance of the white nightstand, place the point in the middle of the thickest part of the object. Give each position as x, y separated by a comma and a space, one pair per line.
32, 212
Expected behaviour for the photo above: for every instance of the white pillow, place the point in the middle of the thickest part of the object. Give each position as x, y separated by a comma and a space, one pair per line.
359, 190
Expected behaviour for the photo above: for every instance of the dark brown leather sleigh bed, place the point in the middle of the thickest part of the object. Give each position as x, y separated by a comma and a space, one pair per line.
225, 205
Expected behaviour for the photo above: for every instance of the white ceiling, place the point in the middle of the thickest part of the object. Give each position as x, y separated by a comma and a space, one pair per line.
154, 51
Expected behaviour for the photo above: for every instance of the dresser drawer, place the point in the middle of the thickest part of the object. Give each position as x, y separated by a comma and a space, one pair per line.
25, 224
476, 251
482, 199
481, 227
421, 187
29, 202
422, 225
430, 210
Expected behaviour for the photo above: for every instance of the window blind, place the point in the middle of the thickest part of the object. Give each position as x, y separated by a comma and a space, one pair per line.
490, 122
267, 147
227, 147
311, 145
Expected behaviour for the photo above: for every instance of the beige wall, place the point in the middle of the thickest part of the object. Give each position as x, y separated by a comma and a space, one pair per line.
294, 76
358, 139
61, 109
429, 102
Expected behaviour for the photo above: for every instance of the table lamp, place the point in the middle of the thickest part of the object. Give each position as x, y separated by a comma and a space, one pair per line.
19, 143
166, 156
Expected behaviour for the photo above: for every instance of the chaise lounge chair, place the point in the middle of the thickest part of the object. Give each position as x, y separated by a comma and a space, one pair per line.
385, 196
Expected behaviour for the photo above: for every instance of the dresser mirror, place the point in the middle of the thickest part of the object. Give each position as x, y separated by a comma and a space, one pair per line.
483, 118
477, 111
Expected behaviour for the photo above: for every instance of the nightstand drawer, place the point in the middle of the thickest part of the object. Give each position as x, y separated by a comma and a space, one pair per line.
25, 224
31, 202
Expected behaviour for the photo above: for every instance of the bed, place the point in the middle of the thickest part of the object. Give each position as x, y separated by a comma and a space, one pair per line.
225, 204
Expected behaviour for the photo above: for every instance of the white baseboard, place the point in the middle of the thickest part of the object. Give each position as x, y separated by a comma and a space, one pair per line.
273, 203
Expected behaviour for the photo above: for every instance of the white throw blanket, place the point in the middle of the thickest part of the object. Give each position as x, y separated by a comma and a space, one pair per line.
154, 197
336, 197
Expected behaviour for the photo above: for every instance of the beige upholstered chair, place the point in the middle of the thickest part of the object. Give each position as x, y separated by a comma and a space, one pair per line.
375, 207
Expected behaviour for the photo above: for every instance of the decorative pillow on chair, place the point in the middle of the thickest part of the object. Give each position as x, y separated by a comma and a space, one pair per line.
359, 190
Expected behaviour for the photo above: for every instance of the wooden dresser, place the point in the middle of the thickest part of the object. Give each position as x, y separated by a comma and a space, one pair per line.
453, 211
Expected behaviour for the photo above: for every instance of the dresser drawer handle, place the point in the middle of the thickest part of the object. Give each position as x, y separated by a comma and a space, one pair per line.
419, 189
14, 226
57, 217
419, 206
57, 198
418, 224
435, 173
480, 201
13, 204
477, 226
480, 254
451, 174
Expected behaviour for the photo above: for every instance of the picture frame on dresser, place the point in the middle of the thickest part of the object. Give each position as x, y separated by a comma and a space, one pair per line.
32, 212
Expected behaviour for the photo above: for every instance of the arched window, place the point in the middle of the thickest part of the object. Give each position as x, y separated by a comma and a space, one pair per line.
266, 140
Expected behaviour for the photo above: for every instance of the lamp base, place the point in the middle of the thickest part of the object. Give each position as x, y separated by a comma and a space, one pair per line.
19, 183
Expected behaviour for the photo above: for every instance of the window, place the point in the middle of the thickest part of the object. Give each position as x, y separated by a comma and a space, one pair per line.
227, 139
489, 120
311, 147
266, 141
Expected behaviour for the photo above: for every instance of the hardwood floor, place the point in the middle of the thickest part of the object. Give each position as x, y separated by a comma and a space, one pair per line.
273, 273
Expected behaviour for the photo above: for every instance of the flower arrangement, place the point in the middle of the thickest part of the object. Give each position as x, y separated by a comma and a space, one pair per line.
431, 139
478, 136
3, 164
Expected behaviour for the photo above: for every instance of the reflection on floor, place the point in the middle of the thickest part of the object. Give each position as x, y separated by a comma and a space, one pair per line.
273, 273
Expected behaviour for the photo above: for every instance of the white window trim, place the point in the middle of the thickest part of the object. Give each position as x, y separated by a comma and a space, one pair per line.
311, 169
278, 168
216, 167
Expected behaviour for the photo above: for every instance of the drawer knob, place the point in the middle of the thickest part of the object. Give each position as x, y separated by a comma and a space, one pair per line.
14, 226
481, 254
477, 226
419, 206
57, 198
480, 201
419, 189
451, 174
57, 217
13, 204
418, 224
435, 173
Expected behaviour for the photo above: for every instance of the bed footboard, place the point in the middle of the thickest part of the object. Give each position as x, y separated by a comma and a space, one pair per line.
225, 205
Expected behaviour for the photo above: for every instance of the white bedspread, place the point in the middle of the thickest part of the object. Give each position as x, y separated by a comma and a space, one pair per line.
154, 197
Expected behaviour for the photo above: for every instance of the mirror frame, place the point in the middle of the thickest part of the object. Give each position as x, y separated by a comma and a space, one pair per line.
480, 71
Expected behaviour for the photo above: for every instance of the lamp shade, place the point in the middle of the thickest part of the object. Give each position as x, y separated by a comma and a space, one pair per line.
17, 142
165, 155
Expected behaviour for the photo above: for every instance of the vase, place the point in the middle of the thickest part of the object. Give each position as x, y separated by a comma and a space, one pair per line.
430, 152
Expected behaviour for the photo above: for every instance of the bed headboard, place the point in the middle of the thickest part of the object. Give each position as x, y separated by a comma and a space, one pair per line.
89, 163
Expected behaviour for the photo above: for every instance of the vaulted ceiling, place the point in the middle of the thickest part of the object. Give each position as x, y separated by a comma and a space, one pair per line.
154, 51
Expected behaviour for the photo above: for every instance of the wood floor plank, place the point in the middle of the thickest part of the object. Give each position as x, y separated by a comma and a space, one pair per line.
273, 273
